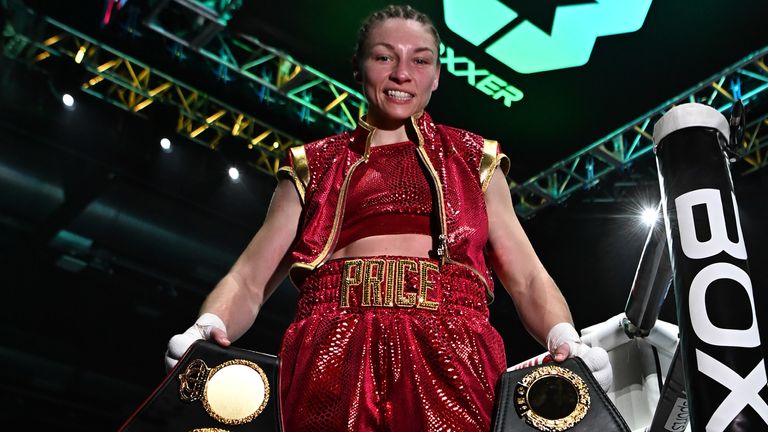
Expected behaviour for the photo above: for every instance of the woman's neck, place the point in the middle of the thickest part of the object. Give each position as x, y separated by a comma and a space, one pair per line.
388, 132
389, 136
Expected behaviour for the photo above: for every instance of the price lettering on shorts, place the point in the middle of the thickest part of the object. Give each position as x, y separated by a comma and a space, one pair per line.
386, 283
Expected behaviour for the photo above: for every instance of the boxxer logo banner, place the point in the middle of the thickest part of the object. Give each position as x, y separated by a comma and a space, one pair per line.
528, 49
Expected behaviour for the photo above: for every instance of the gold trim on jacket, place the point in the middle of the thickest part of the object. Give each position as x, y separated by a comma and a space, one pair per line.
299, 172
492, 158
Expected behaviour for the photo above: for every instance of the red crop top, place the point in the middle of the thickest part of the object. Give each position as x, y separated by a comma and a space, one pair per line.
389, 194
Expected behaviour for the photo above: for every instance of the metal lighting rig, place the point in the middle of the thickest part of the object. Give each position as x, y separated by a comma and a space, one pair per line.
746, 80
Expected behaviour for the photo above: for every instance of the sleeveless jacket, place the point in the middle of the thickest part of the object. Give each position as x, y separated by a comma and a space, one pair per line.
459, 164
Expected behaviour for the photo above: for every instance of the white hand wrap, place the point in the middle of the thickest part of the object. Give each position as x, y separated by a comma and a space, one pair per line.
563, 333
180, 343
595, 358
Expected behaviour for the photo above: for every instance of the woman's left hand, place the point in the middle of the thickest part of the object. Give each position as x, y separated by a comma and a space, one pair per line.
563, 342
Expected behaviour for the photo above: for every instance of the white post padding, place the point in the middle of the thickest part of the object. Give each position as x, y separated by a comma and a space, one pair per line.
635, 391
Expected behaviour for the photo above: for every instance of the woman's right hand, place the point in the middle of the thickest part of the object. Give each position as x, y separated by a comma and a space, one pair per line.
207, 327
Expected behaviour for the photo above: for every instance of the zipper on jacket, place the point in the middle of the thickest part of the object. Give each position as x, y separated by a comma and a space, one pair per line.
442, 238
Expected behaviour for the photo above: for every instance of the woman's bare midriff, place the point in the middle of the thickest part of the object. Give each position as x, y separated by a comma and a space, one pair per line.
415, 245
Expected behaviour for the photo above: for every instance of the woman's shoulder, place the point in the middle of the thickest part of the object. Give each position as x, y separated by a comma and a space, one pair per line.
325, 150
461, 139
449, 133
329, 143
479, 152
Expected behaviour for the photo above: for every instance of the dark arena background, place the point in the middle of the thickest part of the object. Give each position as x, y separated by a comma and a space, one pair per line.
111, 239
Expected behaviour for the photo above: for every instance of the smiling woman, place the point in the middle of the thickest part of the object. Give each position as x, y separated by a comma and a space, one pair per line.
389, 232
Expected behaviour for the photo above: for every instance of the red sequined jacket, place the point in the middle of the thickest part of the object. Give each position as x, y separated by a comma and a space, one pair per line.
460, 163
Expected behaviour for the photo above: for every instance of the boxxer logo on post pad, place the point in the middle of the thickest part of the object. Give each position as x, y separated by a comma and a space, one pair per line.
720, 342
743, 391
527, 48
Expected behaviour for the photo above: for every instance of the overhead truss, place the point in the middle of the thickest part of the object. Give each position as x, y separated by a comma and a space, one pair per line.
134, 86
298, 86
746, 80
277, 80
754, 147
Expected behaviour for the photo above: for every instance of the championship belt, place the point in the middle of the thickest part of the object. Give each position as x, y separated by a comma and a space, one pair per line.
213, 389
554, 397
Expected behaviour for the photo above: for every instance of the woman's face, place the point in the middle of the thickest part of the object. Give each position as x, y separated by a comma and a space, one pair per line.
399, 71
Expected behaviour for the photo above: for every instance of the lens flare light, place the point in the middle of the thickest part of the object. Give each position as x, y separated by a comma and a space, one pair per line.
649, 216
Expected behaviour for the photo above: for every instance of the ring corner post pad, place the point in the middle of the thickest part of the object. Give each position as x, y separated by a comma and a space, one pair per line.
717, 316
554, 397
213, 388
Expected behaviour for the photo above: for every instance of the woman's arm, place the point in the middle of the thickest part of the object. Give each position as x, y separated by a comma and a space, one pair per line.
535, 295
539, 303
261, 267
230, 309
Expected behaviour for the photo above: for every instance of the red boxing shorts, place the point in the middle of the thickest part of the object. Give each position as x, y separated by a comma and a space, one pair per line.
390, 344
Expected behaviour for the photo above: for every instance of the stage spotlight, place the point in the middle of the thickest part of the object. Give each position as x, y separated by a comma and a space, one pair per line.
68, 100
165, 143
234, 174
649, 216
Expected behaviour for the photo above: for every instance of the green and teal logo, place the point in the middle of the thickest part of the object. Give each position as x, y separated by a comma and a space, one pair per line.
528, 49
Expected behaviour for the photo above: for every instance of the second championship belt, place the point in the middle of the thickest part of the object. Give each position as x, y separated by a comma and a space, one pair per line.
554, 397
